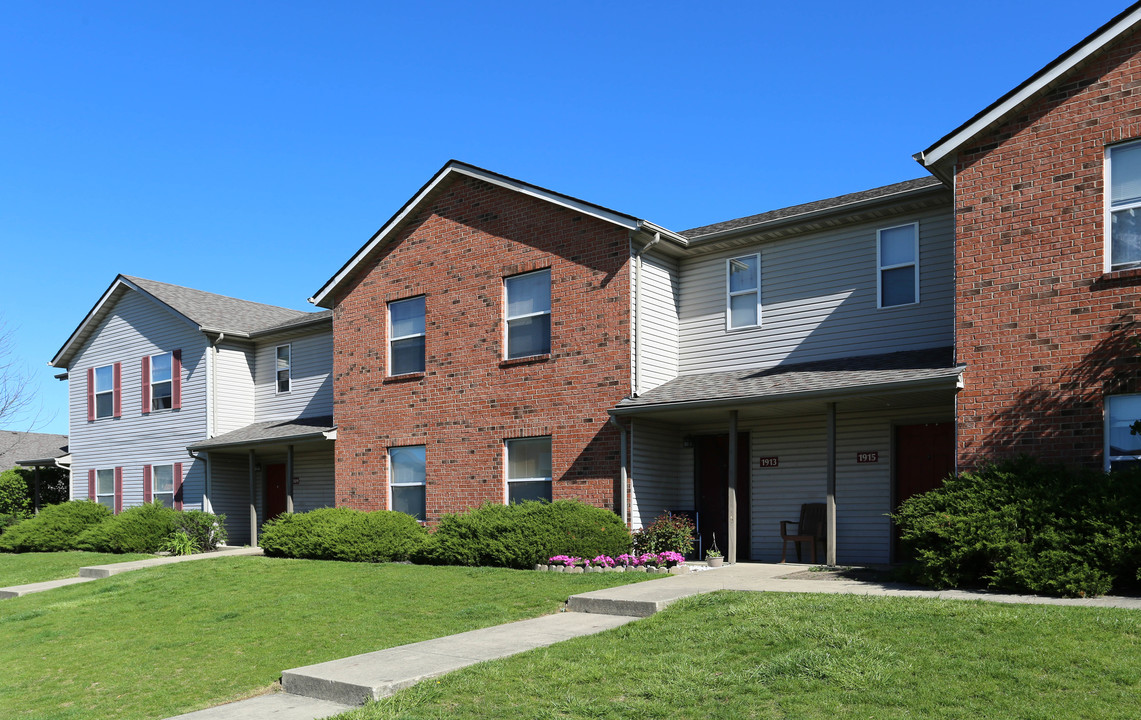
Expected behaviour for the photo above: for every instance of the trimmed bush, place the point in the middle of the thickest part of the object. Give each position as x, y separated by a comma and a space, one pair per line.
344, 534
57, 527
140, 529
14, 496
7, 521
669, 532
207, 531
1021, 526
525, 534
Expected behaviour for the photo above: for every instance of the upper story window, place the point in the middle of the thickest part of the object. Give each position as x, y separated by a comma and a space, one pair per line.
406, 469
898, 253
1123, 167
528, 469
105, 488
406, 336
162, 387
743, 292
104, 391
284, 366
528, 314
1122, 447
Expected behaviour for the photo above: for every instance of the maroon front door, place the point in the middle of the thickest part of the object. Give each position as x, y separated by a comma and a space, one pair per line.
711, 480
274, 490
924, 455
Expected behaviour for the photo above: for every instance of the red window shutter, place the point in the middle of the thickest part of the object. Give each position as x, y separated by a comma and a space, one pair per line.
146, 375
91, 397
118, 394
118, 488
146, 483
178, 486
176, 380
90, 484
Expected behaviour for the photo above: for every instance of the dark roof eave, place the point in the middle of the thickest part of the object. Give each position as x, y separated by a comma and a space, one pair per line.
949, 381
206, 445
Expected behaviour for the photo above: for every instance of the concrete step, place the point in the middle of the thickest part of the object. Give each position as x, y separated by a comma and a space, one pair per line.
20, 590
279, 706
357, 679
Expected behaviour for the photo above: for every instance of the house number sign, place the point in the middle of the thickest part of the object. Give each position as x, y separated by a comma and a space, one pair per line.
770, 461
872, 456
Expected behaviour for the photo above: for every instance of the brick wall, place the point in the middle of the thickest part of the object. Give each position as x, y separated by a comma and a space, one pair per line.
1045, 332
456, 252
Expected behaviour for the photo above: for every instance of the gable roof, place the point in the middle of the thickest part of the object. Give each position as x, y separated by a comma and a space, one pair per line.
323, 297
936, 157
208, 312
17, 447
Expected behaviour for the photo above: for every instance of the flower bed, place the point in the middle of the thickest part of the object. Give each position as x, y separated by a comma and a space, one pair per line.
663, 562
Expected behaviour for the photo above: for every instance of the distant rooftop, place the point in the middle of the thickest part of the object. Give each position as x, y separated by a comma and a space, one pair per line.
16, 446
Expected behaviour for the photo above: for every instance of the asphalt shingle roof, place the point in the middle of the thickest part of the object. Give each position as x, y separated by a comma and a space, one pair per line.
219, 312
270, 431
782, 380
17, 446
815, 206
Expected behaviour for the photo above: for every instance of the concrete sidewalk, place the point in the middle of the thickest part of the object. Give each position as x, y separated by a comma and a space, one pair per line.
95, 572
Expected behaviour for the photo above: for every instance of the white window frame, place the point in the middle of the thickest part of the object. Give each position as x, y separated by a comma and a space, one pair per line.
508, 317
1107, 183
730, 294
423, 484
99, 495
880, 267
507, 466
394, 338
1106, 426
154, 484
96, 392
277, 370
169, 381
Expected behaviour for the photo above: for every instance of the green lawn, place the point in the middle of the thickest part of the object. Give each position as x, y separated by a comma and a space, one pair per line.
167, 640
24, 568
777, 655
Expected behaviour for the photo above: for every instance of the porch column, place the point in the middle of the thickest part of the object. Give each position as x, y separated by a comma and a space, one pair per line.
253, 501
289, 478
731, 506
36, 482
830, 545
623, 476
207, 503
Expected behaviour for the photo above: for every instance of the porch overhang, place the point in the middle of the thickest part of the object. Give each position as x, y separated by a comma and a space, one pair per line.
271, 433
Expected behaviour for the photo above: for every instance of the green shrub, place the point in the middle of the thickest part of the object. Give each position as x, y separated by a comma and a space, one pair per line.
7, 521
521, 535
668, 532
180, 543
208, 531
141, 529
57, 527
1021, 525
14, 496
17, 489
344, 534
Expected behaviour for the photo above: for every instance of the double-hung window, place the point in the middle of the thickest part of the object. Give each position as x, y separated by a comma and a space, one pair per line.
528, 469
105, 488
743, 292
528, 314
406, 336
105, 391
407, 473
162, 479
1123, 168
162, 387
1122, 447
897, 249
284, 367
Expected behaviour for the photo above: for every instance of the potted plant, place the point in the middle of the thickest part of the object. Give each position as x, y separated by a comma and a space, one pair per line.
713, 555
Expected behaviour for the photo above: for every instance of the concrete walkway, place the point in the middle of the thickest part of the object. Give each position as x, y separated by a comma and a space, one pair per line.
95, 572
326, 689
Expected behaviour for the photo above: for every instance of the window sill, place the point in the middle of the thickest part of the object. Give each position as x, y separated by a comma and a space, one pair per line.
405, 377
528, 360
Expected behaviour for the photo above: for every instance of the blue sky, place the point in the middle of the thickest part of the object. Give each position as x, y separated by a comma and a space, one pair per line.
250, 148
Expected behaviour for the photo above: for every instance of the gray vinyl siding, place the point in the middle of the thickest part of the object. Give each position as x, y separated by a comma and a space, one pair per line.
661, 475
818, 300
137, 327
311, 389
233, 388
230, 485
659, 324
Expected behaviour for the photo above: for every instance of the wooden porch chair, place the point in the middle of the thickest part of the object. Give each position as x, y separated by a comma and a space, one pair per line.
811, 528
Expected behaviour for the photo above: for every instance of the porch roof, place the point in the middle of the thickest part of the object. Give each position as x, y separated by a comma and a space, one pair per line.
272, 431
864, 374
